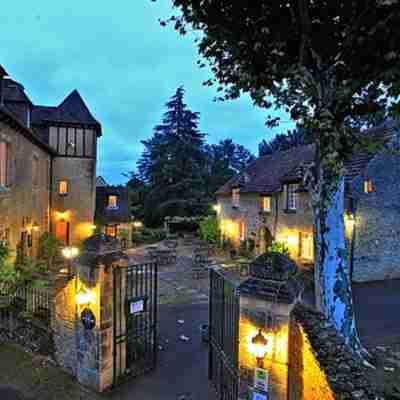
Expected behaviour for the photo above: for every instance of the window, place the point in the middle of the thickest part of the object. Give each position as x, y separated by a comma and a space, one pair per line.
368, 187
63, 188
111, 230
5, 236
306, 246
35, 171
235, 197
112, 201
242, 230
266, 203
292, 196
4, 164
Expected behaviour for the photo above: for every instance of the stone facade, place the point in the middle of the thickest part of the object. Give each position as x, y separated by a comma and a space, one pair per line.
25, 202
280, 225
376, 250
47, 168
373, 245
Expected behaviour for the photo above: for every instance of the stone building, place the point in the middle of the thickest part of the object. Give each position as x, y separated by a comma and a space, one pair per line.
267, 202
113, 216
47, 168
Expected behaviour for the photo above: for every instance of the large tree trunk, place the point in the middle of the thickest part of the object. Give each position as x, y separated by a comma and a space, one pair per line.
332, 273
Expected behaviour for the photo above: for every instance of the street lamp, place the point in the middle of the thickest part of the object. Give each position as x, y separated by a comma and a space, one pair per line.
69, 253
259, 347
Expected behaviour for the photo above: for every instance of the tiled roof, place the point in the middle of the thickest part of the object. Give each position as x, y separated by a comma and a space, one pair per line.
72, 110
14, 92
12, 120
266, 173
3, 72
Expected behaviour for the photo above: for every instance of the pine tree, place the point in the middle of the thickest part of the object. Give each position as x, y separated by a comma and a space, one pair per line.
173, 163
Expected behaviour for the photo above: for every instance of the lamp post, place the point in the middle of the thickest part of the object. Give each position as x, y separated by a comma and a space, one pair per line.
69, 253
259, 347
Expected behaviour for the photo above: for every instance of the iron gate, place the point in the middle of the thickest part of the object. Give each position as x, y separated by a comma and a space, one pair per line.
135, 320
224, 337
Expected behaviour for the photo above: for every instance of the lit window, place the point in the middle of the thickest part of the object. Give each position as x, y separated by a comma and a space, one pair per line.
63, 188
266, 203
242, 230
235, 197
4, 162
112, 201
111, 230
292, 196
368, 187
306, 246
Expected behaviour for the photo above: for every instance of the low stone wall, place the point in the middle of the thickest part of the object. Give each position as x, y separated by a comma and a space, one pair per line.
321, 366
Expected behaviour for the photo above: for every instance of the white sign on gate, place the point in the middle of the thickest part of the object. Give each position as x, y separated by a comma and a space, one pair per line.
261, 379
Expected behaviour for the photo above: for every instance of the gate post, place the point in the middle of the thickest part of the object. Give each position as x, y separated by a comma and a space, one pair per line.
86, 349
267, 299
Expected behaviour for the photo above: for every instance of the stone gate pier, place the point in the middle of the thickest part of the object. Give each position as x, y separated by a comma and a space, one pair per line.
82, 321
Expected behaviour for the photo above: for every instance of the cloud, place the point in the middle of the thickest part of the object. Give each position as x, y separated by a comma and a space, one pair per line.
125, 66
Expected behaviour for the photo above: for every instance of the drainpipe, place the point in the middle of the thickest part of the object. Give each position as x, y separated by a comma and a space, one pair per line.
51, 195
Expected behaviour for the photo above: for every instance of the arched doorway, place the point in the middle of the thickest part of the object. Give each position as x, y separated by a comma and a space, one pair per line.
265, 239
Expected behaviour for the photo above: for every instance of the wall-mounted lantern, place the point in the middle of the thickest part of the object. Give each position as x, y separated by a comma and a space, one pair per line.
259, 347
70, 252
138, 224
349, 220
217, 208
84, 297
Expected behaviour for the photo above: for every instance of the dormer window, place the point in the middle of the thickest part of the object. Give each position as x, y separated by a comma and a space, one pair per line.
112, 202
63, 188
236, 197
368, 186
292, 196
266, 204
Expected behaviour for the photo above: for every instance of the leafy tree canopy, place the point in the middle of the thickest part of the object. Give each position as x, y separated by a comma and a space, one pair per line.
282, 141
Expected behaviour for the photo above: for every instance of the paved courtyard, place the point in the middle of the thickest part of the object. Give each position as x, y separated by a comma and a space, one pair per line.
182, 366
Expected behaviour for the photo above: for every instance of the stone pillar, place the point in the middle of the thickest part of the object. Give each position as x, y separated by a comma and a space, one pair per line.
83, 321
267, 299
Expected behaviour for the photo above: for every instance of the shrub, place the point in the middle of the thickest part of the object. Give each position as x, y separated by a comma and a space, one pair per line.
49, 249
209, 229
278, 247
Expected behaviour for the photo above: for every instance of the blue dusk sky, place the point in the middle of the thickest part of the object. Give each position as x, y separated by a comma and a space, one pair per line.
125, 65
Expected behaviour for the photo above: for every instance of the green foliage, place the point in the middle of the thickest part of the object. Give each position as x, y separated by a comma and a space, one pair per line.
172, 165
209, 229
49, 249
8, 275
282, 142
148, 236
278, 247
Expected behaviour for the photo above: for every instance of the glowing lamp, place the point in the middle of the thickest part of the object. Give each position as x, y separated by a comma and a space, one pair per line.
35, 227
84, 297
259, 346
217, 208
350, 220
70, 252
138, 224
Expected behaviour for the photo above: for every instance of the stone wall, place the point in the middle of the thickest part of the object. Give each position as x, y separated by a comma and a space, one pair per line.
26, 201
321, 365
254, 316
78, 206
376, 252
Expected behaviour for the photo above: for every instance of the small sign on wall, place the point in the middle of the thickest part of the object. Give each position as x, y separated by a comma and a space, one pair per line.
261, 379
88, 319
136, 306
